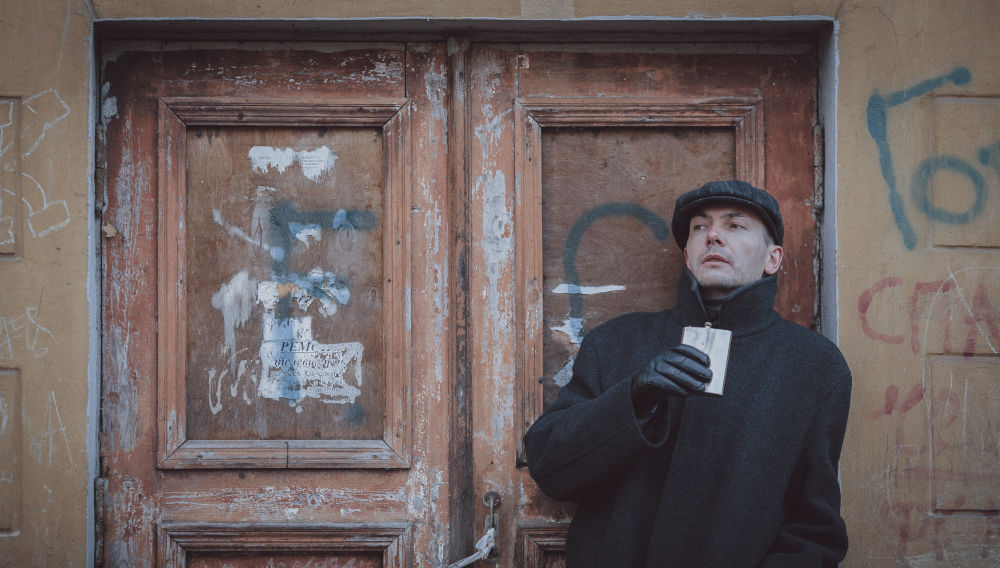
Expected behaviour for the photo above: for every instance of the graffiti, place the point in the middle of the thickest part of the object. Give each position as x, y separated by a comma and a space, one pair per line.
877, 117
910, 464
573, 325
970, 299
38, 115
24, 332
44, 216
288, 224
290, 364
44, 440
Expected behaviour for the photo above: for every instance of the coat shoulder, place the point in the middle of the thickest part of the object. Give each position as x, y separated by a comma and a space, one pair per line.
628, 325
820, 348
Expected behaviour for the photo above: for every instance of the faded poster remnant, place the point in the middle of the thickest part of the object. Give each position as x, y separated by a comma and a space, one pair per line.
295, 366
314, 163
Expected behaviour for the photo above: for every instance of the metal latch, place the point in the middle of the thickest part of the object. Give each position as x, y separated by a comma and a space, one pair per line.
485, 546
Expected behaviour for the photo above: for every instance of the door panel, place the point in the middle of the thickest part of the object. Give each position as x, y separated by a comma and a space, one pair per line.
285, 351
273, 337
291, 235
579, 154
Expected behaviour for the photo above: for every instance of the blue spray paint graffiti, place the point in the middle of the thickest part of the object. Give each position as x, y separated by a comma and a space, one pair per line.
653, 221
877, 117
921, 180
317, 368
286, 221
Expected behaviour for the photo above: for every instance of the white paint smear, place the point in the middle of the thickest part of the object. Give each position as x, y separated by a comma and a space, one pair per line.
573, 327
314, 163
109, 109
235, 299
577, 289
305, 232
564, 375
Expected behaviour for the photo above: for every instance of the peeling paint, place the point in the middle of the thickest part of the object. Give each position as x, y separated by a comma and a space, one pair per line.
271, 501
134, 516
435, 86
109, 110
573, 328
305, 233
314, 163
565, 374
122, 398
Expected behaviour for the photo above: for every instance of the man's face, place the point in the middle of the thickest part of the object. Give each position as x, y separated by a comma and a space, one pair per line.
728, 247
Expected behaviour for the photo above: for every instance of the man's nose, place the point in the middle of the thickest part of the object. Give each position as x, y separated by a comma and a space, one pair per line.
713, 236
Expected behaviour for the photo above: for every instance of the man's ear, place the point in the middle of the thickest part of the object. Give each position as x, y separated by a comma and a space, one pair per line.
774, 256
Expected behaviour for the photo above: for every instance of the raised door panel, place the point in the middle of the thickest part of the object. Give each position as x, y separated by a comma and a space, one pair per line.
273, 339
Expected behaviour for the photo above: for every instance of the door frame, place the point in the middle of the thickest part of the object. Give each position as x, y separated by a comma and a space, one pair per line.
822, 32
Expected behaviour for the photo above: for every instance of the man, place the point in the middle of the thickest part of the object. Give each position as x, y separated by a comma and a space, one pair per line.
666, 475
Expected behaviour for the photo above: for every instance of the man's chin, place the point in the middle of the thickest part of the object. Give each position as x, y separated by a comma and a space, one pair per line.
714, 276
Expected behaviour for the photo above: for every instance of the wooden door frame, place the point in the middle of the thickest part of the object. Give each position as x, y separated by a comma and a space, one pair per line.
820, 32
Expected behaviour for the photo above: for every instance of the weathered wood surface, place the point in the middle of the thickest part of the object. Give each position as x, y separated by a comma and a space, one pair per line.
454, 244
578, 157
349, 147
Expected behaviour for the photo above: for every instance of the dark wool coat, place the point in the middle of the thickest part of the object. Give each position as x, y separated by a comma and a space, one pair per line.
748, 479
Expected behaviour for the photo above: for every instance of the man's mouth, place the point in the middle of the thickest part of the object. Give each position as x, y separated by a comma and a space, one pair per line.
714, 258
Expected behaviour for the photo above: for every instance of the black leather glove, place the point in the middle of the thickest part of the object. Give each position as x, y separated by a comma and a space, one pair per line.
677, 371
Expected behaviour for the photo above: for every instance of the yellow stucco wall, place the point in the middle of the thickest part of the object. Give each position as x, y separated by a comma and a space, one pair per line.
917, 280
919, 307
44, 331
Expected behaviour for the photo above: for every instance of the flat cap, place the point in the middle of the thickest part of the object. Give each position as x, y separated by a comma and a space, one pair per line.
732, 191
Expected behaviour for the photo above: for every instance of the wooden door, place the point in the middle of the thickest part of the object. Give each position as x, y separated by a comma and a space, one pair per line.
576, 156
340, 281
276, 320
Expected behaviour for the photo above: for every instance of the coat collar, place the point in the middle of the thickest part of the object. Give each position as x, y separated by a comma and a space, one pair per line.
746, 310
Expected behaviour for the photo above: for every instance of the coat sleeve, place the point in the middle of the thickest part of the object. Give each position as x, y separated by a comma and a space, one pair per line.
590, 434
813, 532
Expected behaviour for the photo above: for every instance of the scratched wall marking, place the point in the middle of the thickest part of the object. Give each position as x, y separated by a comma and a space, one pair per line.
314, 163
9, 175
38, 115
22, 333
939, 447
45, 438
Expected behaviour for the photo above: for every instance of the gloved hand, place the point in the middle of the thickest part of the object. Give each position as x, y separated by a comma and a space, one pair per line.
677, 371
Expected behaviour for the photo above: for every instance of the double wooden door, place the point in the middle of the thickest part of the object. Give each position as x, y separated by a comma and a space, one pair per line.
341, 280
